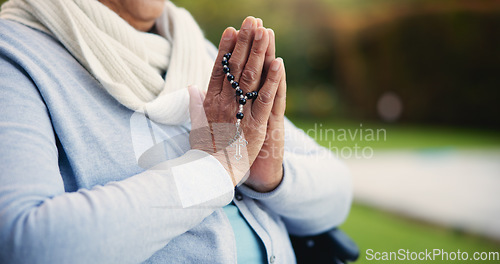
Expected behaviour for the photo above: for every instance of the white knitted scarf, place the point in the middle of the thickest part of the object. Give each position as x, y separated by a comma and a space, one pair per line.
128, 63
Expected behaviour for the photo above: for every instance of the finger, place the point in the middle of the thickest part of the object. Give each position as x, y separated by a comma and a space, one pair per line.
262, 105
196, 109
260, 23
251, 76
227, 43
240, 54
279, 105
270, 53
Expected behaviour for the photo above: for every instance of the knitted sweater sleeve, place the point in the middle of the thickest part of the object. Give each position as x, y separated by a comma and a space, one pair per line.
120, 222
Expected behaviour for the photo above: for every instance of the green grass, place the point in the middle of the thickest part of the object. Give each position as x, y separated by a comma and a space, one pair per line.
398, 136
386, 232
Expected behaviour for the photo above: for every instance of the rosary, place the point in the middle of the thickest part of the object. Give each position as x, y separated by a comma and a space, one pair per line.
242, 100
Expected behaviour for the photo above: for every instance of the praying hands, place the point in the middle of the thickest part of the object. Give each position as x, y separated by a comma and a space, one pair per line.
251, 67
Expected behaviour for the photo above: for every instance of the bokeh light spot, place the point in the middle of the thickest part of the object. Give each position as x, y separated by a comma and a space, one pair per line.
389, 107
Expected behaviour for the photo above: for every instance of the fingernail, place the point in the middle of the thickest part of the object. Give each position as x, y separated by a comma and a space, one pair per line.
258, 35
260, 21
275, 66
228, 34
247, 24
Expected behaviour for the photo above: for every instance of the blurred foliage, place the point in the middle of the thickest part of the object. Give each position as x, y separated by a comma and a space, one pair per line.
443, 64
441, 58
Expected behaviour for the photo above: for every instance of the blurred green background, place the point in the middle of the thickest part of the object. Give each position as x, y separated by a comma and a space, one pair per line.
426, 71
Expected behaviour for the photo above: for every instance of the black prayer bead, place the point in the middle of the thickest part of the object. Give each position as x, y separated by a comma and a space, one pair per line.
236, 85
254, 94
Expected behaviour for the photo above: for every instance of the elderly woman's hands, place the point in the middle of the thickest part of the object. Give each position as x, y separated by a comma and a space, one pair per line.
254, 66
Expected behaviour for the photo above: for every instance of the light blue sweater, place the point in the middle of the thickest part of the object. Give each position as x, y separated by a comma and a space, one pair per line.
73, 188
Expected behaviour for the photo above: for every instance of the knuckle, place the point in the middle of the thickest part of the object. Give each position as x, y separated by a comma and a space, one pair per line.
258, 50
265, 97
244, 37
217, 73
236, 67
273, 79
249, 75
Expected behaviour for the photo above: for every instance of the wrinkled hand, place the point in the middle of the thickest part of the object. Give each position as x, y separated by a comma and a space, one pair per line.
266, 172
213, 115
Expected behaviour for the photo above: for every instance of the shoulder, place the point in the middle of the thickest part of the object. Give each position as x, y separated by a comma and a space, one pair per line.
36, 67
37, 56
27, 46
18, 35
9, 28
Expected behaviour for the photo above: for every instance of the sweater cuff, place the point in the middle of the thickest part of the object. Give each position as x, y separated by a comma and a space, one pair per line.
277, 192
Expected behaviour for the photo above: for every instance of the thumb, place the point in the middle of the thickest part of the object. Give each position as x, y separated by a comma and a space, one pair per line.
196, 109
